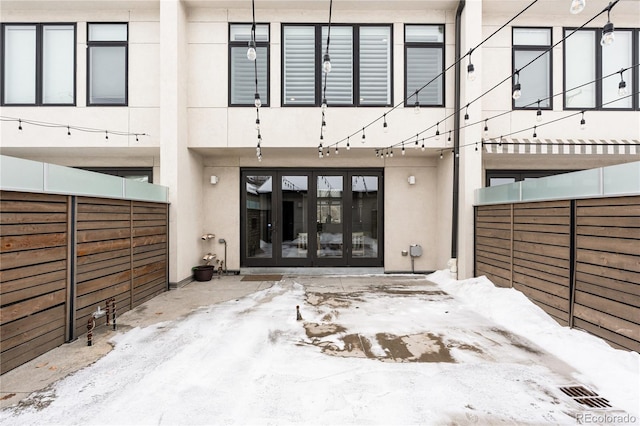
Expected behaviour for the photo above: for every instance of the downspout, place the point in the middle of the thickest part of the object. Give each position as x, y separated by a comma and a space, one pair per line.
456, 144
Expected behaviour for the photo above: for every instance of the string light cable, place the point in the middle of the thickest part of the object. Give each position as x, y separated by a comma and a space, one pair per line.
69, 127
607, 9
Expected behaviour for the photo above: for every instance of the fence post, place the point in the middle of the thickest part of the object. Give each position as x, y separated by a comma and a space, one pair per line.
572, 260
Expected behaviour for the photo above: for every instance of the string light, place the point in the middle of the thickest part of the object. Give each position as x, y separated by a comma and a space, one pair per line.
19, 124
251, 51
471, 71
516, 87
326, 59
385, 127
69, 133
466, 115
583, 123
441, 156
535, 134
449, 139
348, 144
364, 137
622, 86
608, 35
577, 6
106, 134
416, 105
486, 128
403, 148
422, 148
437, 137
539, 113
476, 146
257, 102
416, 145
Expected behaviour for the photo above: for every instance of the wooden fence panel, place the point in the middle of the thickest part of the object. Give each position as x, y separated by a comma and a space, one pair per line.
33, 275
588, 276
494, 243
608, 269
544, 229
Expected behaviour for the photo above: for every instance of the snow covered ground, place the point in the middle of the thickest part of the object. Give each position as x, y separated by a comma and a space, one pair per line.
406, 352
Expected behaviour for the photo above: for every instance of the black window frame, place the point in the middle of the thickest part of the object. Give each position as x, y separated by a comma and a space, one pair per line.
319, 75
124, 44
521, 175
265, 100
533, 48
409, 98
635, 76
123, 172
39, 63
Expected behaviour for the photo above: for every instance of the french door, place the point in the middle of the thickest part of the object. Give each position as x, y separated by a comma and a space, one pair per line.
311, 217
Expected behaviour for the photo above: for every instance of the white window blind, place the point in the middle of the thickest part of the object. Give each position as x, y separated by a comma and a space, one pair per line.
423, 64
339, 86
375, 65
107, 74
20, 64
615, 57
299, 65
58, 64
535, 79
580, 59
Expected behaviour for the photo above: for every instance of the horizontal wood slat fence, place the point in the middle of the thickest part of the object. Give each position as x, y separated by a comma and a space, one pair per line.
62, 256
579, 260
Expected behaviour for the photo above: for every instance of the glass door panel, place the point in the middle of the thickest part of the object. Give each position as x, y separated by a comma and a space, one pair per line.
294, 210
259, 217
329, 216
364, 216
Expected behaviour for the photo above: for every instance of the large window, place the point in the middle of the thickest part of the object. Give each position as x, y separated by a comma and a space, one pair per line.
587, 63
38, 64
424, 61
530, 44
107, 63
361, 65
242, 71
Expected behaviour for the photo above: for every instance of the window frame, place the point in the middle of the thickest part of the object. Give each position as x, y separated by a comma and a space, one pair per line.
635, 76
533, 48
408, 102
124, 44
39, 71
319, 75
265, 100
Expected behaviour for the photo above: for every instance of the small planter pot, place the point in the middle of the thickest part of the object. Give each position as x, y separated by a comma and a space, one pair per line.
203, 273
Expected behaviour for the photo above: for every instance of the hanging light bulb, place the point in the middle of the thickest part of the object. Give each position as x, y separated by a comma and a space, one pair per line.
348, 144
535, 135
19, 124
422, 148
622, 86
416, 144
251, 51
416, 105
391, 153
69, 133
106, 134
328, 151
539, 113
257, 123
403, 148
476, 146
466, 115
500, 140
337, 152
608, 34
441, 156
449, 138
326, 63
516, 87
577, 6
324, 104
136, 137
385, 127
324, 123
364, 137
437, 131
471, 71
583, 123
257, 102
486, 128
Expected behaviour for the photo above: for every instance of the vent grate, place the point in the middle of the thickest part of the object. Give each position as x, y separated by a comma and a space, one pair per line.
586, 397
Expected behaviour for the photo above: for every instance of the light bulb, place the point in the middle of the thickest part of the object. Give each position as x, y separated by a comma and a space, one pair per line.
486, 129
577, 6
257, 102
422, 148
416, 107
516, 91
385, 127
583, 124
437, 135
539, 115
257, 124
251, 53
471, 72
608, 35
466, 118
348, 145
326, 63
403, 153
324, 105
622, 88
441, 156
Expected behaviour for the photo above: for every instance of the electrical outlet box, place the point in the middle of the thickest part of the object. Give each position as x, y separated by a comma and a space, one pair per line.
415, 250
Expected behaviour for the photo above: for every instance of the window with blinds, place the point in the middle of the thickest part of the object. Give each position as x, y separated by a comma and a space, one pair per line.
38, 64
242, 71
424, 65
360, 65
529, 47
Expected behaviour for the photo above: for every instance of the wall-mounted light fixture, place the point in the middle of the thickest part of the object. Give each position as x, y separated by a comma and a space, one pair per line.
208, 237
411, 180
214, 180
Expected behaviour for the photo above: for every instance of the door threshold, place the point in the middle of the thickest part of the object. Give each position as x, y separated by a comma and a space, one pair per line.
313, 270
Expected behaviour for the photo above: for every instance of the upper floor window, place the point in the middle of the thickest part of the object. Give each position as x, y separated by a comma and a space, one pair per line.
38, 64
360, 65
587, 62
424, 61
535, 78
107, 45
242, 71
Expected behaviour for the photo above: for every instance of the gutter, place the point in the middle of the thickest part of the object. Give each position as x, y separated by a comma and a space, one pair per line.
456, 143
